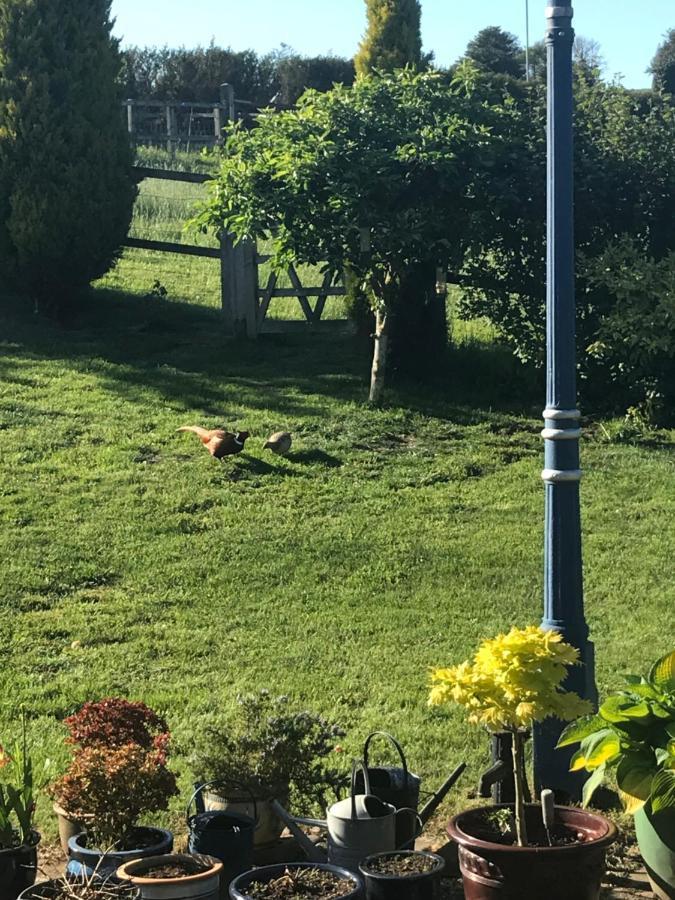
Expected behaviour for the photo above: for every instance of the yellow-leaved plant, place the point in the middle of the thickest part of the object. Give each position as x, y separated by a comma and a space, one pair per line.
514, 680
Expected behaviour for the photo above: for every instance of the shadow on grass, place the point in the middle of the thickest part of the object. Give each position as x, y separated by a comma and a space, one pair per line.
177, 349
314, 457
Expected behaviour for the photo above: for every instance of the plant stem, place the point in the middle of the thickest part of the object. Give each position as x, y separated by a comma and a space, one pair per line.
379, 356
518, 747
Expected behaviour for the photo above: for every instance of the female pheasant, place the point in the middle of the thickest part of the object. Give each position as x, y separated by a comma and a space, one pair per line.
219, 443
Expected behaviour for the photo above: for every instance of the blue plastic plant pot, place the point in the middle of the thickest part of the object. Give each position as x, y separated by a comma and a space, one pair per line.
89, 861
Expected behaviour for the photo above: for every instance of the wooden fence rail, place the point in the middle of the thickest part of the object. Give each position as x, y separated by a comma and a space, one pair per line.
245, 304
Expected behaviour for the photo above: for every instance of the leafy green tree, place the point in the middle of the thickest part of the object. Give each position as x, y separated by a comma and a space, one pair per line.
393, 37
624, 185
663, 65
363, 179
66, 185
495, 50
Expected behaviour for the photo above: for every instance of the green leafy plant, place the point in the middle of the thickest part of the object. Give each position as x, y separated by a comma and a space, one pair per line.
271, 748
513, 681
633, 734
17, 800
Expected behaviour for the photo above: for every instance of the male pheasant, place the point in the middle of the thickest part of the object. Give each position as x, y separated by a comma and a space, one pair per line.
219, 443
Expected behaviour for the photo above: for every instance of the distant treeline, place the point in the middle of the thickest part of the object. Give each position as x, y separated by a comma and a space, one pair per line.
163, 73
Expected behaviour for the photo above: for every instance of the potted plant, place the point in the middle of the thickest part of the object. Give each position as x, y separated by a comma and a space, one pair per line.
297, 881
18, 839
403, 875
513, 681
118, 772
81, 888
276, 753
174, 876
633, 735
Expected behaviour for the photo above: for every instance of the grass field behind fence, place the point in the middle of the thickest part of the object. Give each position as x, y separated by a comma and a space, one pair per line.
387, 542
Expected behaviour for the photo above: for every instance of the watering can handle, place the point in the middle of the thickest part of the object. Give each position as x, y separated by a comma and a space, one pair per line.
356, 765
200, 788
392, 740
411, 812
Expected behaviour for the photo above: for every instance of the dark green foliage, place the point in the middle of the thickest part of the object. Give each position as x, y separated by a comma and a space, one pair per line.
161, 73
393, 37
66, 187
495, 50
663, 64
625, 184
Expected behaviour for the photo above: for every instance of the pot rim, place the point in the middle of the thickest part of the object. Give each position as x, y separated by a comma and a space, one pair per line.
35, 838
60, 811
270, 870
75, 842
125, 875
413, 876
465, 839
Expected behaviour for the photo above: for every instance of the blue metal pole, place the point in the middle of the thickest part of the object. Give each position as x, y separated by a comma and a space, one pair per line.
563, 580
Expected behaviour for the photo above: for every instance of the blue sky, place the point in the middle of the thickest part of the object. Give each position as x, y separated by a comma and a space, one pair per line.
627, 32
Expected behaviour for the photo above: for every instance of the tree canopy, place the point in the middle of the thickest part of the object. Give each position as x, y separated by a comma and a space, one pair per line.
375, 179
393, 37
663, 64
495, 50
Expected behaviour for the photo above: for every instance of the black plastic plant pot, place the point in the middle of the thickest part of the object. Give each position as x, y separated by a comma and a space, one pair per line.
406, 886
238, 888
18, 868
89, 861
52, 890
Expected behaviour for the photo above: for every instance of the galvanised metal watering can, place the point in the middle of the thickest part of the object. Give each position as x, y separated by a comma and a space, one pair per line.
357, 827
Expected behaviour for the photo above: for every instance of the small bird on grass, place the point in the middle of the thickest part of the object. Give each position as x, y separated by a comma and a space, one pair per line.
280, 442
219, 443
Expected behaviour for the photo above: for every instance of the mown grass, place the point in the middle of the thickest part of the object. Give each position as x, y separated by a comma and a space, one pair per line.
387, 542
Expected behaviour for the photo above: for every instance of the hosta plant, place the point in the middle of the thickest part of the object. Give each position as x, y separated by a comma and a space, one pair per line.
633, 734
514, 680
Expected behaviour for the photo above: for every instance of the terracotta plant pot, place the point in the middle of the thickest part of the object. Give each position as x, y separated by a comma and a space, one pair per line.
421, 886
493, 871
201, 886
86, 860
18, 868
68, 826
656, 840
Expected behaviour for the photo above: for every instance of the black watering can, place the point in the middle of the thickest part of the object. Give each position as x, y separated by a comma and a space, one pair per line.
221, 833
395, 785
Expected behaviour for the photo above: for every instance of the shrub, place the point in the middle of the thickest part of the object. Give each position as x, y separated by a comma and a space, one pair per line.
114, 722
66, 185
112, 787
270, 748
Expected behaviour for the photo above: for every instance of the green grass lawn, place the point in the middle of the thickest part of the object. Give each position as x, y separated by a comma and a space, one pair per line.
389, 541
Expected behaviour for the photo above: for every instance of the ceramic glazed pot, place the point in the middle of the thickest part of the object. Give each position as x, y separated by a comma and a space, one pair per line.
267, 873
202, 886
493, 871
86, 861
656, 839
424, 886
48, 890
18, 868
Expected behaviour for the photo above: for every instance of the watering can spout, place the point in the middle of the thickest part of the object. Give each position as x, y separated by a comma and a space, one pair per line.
313, 853
430, 808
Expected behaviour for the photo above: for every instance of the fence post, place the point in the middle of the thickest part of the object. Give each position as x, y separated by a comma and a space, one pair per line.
171, 129
247, 286
218, 123
227, 99
130, 118
238, 286
227, 283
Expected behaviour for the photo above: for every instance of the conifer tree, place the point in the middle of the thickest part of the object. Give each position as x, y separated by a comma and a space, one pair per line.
393, 37
66, 185
663, 64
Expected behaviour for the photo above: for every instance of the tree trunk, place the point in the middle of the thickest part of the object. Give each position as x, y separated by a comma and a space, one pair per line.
418, 328
519, 779
379, 356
